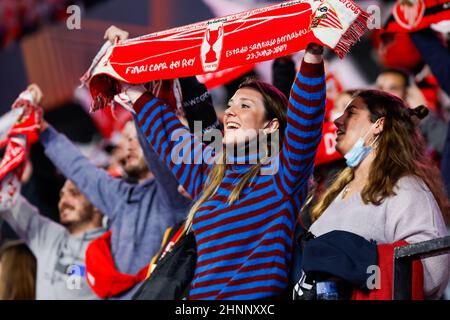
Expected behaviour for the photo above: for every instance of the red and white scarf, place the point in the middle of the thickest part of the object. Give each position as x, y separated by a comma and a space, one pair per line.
414, 15
222, 43
18, 130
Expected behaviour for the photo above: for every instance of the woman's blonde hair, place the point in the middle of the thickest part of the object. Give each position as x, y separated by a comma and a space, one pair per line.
18, 272
399, 152
275, 105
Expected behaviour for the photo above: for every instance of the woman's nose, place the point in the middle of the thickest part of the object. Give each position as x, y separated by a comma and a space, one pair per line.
63, 201
230, 112
338, 121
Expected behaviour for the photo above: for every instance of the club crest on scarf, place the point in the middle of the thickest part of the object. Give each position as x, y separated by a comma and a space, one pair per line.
212, 46
409, 13
326, 17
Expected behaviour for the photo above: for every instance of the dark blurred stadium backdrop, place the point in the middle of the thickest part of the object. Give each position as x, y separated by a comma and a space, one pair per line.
46, 52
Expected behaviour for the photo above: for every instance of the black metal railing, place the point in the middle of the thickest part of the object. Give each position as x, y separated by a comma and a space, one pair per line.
404, 258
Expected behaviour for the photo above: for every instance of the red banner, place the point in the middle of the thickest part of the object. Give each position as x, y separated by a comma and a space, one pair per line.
228, 42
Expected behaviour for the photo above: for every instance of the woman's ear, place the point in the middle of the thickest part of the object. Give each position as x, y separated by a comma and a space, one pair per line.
272, 126
379, 127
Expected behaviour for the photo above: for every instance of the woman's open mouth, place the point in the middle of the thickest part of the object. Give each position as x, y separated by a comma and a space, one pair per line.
230, 125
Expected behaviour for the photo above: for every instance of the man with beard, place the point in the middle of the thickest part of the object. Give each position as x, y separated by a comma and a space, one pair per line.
135, 166
59, 248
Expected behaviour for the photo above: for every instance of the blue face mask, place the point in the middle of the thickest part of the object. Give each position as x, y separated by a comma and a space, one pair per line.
358, 152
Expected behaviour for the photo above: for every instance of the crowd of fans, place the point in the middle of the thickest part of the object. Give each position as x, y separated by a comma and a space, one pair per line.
379, 182
20, 17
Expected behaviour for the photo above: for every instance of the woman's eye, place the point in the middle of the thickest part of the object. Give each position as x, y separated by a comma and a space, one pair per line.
245, 106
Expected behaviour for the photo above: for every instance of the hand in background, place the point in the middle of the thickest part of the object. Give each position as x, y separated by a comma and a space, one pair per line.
114, 34
36, 93
33, 94
314, 53
38, 96
133, 92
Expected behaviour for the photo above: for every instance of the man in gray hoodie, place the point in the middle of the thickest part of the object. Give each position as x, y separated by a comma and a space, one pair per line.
59, 248
137, 213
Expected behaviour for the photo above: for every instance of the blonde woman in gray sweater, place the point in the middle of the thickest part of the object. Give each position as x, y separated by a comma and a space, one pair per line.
390, 191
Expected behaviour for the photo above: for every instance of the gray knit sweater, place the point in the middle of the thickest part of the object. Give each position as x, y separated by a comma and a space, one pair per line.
412, 215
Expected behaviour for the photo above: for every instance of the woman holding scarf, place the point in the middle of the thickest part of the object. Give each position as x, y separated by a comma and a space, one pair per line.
390, 191
245, 202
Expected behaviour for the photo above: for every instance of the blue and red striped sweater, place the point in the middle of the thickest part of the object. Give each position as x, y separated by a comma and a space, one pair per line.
244, 249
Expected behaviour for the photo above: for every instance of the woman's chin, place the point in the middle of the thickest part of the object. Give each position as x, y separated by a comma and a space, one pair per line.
340, 150
232, 142
238, 137
231, 138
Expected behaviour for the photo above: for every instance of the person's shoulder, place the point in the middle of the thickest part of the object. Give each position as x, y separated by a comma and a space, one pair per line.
411, 183
413, 194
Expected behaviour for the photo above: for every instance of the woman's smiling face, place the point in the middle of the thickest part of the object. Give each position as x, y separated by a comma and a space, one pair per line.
245, 116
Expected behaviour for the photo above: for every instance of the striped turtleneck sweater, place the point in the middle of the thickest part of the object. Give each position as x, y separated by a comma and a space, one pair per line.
244, 249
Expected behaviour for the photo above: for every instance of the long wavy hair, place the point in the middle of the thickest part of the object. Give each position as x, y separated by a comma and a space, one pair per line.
275, 105
399, 152
18, 272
